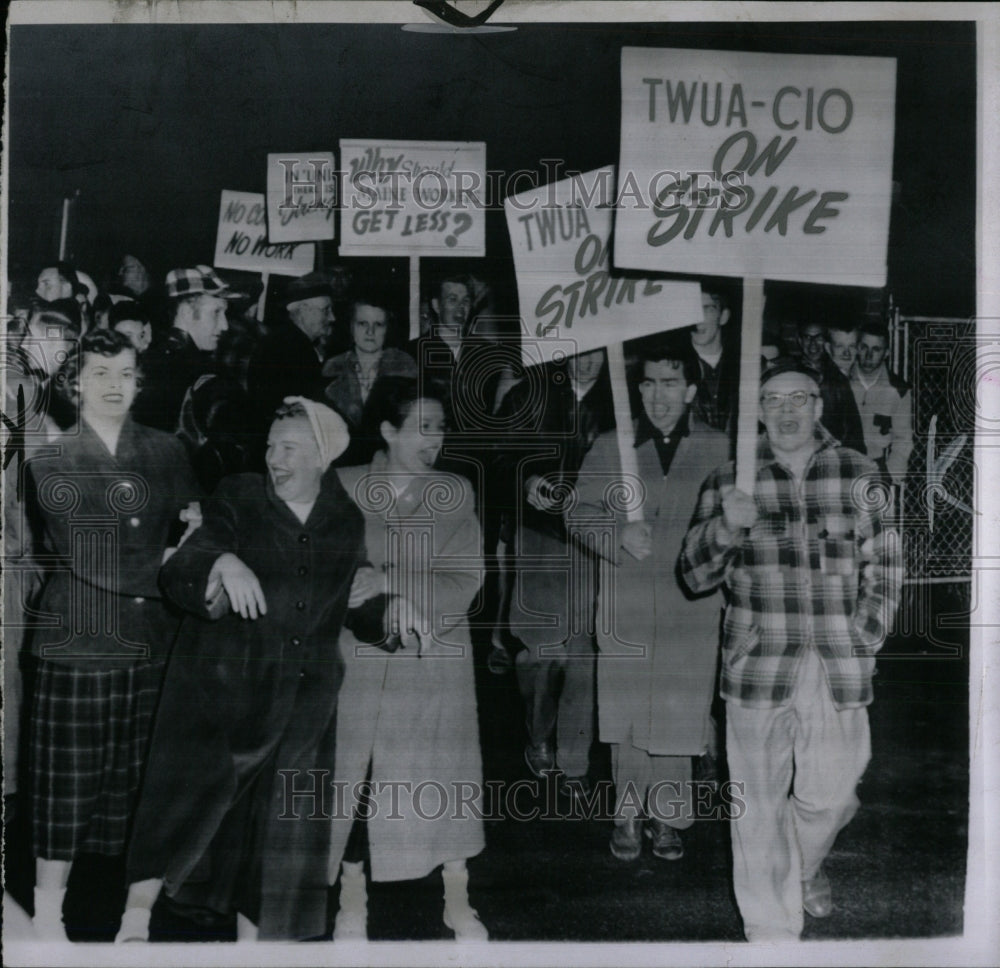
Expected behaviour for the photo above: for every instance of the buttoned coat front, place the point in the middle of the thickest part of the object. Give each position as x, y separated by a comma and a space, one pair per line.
658, 644
414, 717
248, 708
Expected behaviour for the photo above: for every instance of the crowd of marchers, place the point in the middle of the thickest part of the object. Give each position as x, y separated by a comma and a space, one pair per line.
245, 545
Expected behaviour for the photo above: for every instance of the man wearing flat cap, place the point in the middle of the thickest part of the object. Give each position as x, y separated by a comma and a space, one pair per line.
813, 577
198, 300
288, 361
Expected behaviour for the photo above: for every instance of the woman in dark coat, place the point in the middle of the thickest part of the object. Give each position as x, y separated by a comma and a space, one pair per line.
108, 496
250, 699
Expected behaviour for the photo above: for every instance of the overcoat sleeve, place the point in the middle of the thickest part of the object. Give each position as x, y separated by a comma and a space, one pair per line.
184, 578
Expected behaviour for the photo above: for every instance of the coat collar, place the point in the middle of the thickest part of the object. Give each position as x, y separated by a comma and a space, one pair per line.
329, 502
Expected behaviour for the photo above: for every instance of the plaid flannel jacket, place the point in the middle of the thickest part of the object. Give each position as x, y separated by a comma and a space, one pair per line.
817, 568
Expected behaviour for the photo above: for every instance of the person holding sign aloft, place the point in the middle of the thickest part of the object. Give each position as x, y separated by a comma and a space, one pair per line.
813, 577
658, 647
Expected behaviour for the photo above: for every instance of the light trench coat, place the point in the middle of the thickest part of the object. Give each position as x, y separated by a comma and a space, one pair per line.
658, 645
414, 717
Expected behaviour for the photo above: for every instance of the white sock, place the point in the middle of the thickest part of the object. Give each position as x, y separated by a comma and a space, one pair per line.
246, 930
48, 922
134, 926
459, 915
352, 918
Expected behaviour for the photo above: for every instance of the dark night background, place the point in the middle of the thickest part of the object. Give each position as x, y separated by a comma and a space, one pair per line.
149, 123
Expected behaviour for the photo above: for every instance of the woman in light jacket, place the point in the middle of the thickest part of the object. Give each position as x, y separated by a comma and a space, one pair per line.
408, 717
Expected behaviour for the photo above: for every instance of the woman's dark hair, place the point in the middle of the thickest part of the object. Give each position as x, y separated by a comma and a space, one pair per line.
393, 397
289, 410
98, 342
126, 309
64, 313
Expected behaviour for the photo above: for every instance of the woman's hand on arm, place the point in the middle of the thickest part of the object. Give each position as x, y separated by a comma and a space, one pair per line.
367, 584
245, 594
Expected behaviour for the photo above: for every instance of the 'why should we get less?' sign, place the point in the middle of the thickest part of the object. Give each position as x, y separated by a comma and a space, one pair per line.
744, 164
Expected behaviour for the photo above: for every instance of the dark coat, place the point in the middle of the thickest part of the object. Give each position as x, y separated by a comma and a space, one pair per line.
169, 369
108, 519
284, 364
840, 409
243, 700
550, 434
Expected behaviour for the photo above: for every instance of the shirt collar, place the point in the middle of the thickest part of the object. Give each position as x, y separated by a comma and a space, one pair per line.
644, 429
765, 454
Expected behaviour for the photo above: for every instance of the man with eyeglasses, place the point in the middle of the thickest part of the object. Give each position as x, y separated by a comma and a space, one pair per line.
813, 578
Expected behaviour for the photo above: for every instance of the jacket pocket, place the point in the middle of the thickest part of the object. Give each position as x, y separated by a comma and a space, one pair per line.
742, 642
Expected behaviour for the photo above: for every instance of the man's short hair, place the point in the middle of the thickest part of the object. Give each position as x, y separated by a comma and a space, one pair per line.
458, 278
874, 327
845, 327
717, 291
672, 349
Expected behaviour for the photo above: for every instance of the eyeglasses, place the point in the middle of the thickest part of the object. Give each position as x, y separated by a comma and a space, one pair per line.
775, 401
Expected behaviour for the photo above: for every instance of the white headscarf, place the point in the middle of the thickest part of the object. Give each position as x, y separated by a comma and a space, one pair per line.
328, 427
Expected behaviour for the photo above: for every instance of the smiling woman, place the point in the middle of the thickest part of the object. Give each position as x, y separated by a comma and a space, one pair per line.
250, 699
101, 666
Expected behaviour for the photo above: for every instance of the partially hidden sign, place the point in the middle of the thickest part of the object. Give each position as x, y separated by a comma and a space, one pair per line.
570, 297
417, 198
301, 196
745, 164
242, 242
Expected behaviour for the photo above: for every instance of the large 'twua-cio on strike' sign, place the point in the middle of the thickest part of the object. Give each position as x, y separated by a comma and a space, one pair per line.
770, 165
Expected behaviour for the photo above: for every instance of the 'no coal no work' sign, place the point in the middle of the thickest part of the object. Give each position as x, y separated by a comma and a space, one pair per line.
744, 164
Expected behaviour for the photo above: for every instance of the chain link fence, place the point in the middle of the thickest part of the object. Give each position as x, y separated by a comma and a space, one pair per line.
937, 357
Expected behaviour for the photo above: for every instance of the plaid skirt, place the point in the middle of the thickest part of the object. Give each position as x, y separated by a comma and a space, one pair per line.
89, 738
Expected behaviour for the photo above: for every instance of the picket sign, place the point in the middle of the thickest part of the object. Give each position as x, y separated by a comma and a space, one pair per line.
571, 299
242, 242
413, 199
760, 166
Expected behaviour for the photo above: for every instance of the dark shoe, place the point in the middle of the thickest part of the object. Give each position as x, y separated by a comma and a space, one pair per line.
541, 758
817, 897
575, 789
706, 769
667, 843
499, 661
626, 841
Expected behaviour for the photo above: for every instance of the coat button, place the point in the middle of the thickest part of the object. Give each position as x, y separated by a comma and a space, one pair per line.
303, 570
300, 605
303, 539
296, 640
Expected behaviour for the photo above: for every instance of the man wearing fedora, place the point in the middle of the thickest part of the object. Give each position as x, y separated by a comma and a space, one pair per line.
197, 299
813, 577
288, 361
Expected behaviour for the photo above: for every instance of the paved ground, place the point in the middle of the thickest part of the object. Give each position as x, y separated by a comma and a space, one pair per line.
897, 871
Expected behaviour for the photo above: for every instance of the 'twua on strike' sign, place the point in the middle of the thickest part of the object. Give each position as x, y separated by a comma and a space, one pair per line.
745, 164
569, 295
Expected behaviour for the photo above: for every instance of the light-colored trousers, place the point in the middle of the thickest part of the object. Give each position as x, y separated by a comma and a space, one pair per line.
661, 784
786, 830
